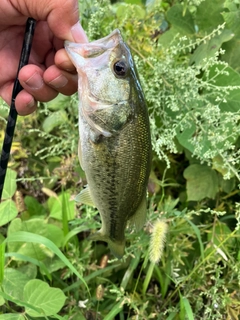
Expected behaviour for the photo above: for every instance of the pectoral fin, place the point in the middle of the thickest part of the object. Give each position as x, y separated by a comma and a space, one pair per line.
139, 218
85, 197
80, 153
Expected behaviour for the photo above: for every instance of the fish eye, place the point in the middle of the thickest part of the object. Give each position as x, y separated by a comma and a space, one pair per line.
120, 68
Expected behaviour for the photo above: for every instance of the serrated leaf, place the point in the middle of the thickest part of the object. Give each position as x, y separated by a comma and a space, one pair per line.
10, 185
54, 120
49, 300
8, 211
202, 182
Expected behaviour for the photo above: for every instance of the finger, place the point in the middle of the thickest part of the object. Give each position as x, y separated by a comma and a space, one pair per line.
25, 103
60, 80
63, 62
31, 79
64, 11
6, 92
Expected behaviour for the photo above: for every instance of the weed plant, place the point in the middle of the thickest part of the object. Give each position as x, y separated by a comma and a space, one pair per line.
185, 263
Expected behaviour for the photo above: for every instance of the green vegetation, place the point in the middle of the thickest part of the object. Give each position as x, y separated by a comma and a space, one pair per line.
187, 54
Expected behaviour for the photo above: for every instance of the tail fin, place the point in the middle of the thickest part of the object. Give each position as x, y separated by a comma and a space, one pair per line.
117, 248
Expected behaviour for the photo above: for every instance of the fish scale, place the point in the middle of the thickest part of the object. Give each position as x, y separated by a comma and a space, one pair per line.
115, 144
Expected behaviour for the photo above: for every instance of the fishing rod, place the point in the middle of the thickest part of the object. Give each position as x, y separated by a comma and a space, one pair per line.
12, 116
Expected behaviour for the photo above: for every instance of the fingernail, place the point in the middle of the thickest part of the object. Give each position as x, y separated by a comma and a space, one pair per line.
35, 81
31, 104
78, 33
59, 82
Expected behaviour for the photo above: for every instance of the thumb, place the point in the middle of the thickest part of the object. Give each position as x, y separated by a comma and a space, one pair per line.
62, 16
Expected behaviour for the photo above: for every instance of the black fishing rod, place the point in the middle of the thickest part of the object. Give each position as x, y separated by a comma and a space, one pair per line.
12, 117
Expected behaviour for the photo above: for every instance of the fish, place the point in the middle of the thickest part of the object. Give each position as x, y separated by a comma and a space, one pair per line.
115, 141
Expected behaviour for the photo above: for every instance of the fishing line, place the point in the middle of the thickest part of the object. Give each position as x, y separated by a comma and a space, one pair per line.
12, 117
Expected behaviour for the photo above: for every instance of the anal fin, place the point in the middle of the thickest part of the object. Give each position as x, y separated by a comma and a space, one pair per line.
139, 217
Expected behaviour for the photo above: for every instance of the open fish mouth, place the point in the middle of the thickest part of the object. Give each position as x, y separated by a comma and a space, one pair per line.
95, 48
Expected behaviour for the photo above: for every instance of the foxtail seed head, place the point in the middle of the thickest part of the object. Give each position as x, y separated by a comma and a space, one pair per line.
157, 241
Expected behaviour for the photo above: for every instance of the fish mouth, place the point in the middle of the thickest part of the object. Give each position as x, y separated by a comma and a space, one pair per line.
81, 51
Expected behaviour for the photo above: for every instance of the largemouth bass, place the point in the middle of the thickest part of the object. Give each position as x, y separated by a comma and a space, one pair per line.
115, 144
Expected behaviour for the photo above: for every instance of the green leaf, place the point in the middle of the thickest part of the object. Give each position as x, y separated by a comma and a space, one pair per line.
232, 48
13, 283
74, 232
33, 250
60, 102
232, 17
226, 79
39, 294
2, 301
135, 9
185, 136
54, 120
12, 316
207, 50
2, 261
30, 269
8, 211
57, 205
34, 262
55, 234
186, 307
198, 234
10, 185
116, 309
202, 182
220, 232
52, 265
34, 208
232, 53
209, 15
28, 237
17, 301
182, 21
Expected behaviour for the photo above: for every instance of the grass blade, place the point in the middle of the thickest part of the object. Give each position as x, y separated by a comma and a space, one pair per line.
2, 261
22, 236
38, 263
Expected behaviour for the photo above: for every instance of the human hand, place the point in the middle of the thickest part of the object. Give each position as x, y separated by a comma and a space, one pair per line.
49, 71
